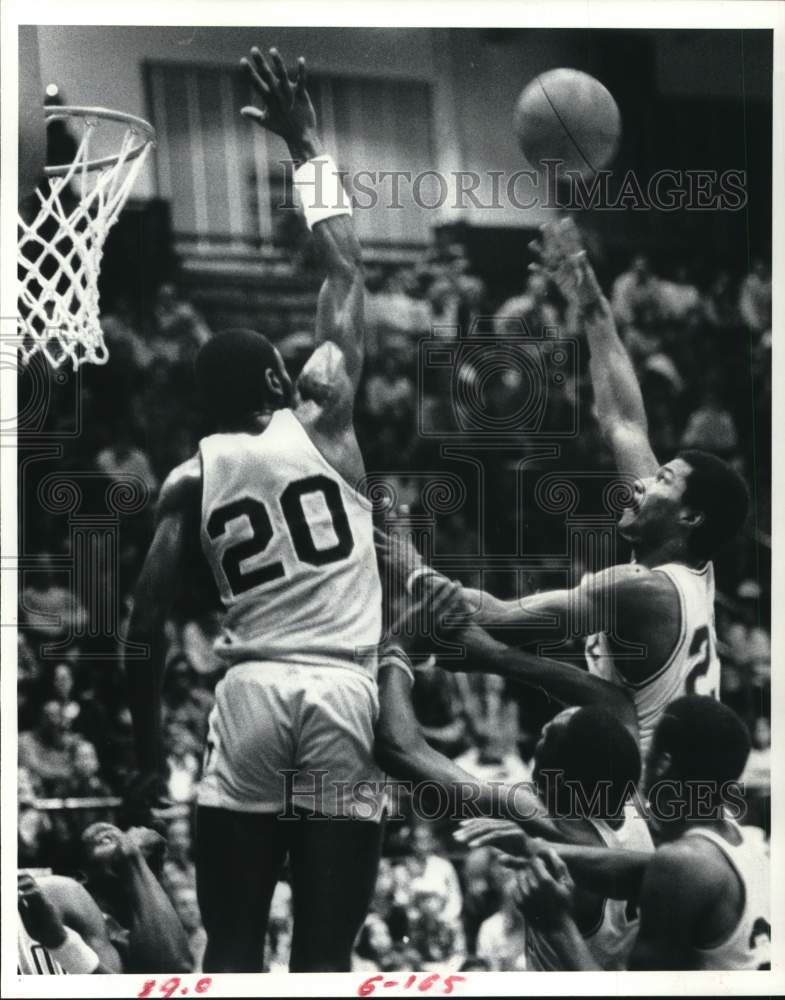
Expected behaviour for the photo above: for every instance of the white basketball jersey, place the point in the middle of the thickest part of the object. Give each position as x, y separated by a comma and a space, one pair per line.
33, 959
612, 940
693, 666
291, 547
749, 944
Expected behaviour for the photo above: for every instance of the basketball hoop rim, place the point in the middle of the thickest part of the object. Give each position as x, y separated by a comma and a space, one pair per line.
57, 112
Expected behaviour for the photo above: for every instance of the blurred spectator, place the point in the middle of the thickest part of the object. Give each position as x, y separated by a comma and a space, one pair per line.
755, 297
85, 779
183, 763
49, 609
178, 867
720, 308
186, 906
532, 307
502, 938
62, 689
439, 709
120, 459
757, 773
636, 291
680, 298
374, 948
179, 330
184, 703
46, 751
711, 427
34, 828
279, 929
432, 873
481, 895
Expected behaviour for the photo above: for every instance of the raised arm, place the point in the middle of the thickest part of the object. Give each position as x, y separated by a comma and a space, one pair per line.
617, 394
332, 373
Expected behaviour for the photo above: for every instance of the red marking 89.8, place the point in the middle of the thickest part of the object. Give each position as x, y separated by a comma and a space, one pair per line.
170, 987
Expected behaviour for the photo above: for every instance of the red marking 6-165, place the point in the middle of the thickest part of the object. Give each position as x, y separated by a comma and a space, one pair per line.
383, 984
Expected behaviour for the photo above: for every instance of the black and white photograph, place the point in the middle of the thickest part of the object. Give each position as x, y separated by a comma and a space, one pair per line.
388, 575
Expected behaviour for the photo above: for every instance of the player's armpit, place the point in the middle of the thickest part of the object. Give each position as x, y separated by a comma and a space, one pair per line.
325, 381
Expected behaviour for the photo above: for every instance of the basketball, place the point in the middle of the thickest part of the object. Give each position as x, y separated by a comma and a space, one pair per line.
567, 115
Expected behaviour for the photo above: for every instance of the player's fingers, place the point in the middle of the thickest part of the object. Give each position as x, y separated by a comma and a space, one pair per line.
302, 82
280, 71
263, 69
557, 866
510, 861
256, 80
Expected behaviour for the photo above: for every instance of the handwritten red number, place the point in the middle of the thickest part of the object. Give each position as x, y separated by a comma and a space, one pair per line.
369, 986
168, 988
448, 982
203, 985
428, 982
147, 989
410, 982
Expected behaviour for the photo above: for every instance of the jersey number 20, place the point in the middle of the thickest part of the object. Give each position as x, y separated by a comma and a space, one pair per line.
291, 501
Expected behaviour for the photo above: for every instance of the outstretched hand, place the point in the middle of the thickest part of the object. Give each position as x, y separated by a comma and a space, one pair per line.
286, 105
563, 260
545, 891
503, 834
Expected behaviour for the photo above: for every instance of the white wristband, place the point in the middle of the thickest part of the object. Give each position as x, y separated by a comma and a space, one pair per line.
75, 956
320, 190
415, 575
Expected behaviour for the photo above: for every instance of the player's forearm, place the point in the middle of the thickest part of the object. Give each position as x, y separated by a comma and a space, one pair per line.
532, 612
567, 684
617, 392
570, 946
157, 937
616, 874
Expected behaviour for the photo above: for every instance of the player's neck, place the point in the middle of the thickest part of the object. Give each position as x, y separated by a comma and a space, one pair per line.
667, 551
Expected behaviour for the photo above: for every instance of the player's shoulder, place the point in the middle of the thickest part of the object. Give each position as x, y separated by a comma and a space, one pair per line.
629, 579
686, 866
181, 488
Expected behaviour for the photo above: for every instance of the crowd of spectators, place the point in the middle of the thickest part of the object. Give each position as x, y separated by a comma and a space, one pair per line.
703, 355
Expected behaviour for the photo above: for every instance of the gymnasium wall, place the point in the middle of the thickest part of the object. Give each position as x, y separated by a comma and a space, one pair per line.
474, 75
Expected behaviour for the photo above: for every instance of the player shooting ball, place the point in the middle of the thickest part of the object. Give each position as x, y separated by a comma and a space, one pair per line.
271, 497
680, 513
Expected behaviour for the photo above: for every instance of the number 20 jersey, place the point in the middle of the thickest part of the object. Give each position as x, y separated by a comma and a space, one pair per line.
693, 666
290, 545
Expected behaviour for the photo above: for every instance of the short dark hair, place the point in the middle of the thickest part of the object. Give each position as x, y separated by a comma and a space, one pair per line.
230, 375
706, 740
597, 748
719, 492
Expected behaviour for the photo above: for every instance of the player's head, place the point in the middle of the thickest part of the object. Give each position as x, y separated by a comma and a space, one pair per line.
239, 374
699, 746
586, 763
696, 498
99, 849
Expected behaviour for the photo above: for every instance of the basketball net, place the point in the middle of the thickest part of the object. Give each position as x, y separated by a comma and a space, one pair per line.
59, 252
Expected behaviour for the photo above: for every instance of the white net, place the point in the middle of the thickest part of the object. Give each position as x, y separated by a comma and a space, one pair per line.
60, 250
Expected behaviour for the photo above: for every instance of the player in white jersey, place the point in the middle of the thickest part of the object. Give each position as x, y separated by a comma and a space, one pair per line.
704, 897
272, 499
586, 770
653, 620
60, 929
